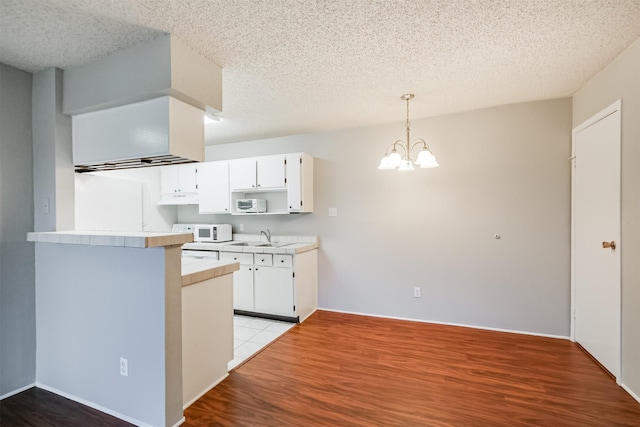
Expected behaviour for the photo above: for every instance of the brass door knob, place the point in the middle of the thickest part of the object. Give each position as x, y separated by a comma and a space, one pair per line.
610, 244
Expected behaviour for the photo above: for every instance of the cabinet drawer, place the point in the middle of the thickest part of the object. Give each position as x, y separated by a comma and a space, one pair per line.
283, 260
242, 258
263, 259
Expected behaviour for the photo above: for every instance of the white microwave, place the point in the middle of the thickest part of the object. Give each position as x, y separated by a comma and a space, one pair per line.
251, 205
212, 232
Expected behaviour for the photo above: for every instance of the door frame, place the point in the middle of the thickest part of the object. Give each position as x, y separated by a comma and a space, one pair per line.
606, 112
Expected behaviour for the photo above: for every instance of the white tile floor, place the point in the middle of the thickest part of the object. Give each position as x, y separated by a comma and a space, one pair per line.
250, 334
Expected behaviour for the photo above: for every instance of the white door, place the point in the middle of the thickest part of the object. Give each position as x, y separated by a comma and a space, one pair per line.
271, 172
242, 174
213, 187
596, 225
243, 288
274, 291
294, 183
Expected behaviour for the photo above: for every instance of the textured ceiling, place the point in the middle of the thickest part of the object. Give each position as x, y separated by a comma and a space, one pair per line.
298, 66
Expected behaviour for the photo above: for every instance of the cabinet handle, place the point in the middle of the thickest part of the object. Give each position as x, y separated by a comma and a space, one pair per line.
262, 260
281, 260
256, 268
235, 259
252, 185
249, 268
259, 185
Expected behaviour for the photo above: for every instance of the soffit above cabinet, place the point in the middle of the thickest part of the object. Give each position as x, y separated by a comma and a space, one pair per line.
163, 66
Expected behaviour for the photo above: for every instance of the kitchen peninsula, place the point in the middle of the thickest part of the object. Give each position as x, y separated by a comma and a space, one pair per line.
109, 319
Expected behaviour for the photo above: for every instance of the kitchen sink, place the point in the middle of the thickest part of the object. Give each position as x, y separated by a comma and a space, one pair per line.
259, 245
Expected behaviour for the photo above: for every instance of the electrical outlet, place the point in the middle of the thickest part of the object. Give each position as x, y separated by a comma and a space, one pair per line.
241, 227
417, 292
333, 211
124, 367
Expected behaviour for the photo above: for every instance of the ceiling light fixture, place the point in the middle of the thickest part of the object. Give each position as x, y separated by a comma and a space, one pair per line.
393, 159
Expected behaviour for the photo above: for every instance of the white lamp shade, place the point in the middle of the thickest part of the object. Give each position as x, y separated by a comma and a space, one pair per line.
424, 156
405, 165
426, 159
385, 163
433, 164
395, 159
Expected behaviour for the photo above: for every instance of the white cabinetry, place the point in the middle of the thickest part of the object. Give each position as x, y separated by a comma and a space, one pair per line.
284, 181
273, 287
257, 173
213, 188
299, 171
179, 184
242, 280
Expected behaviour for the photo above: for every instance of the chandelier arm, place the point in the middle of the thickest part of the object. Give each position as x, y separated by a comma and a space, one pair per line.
425, 146
399, 143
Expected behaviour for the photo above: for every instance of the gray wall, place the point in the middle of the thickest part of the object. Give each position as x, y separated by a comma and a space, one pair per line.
96, 304
621, 80
17, 281
52, 161
503, 171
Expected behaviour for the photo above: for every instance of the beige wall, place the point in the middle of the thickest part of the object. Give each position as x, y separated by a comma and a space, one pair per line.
621, 80
503, 170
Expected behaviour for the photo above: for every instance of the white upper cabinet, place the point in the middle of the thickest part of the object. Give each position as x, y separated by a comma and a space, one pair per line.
179, 184
259, 173
271, 172
179, 179
213, 188
284, 181
299, 171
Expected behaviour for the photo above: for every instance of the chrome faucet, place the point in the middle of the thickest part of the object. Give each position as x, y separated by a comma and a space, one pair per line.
267, 234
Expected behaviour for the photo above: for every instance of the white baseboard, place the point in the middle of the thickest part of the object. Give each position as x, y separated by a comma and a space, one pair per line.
20, 390
179, 423
215, 383
95, 406
632, 394
307, 316
450, 324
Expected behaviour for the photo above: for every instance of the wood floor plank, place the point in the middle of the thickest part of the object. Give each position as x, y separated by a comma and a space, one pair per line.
338, 369
39, 408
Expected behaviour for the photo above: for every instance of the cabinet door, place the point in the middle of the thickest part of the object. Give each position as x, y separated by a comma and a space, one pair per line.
243, 288
213, 187
271, 172
242, 174
294, 183
187, 178
169, 180
274, 291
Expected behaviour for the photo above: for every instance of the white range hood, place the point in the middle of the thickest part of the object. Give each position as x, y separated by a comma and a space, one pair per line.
156, 132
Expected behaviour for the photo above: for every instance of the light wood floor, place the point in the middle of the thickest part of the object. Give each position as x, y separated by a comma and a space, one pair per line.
345, 370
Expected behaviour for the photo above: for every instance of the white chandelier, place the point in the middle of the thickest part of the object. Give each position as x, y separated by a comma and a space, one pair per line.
393, 159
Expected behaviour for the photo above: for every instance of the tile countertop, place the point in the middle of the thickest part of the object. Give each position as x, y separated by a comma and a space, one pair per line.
128, 239
197, 270
291, 244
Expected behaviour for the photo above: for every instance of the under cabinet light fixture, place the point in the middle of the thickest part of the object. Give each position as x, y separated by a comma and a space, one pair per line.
393, 159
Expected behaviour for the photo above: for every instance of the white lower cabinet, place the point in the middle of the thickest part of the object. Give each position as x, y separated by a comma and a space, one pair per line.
242, 280
275, 284
243, 288
274, 291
